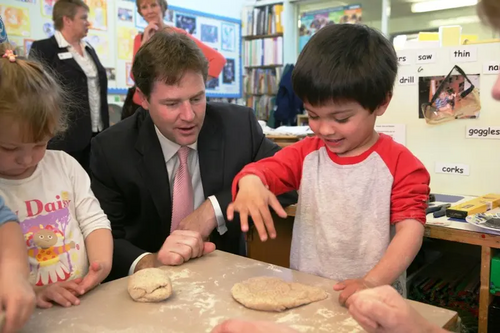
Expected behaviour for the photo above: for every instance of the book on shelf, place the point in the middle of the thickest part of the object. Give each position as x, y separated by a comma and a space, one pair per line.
265, 20
263, 81
262, 105
262, 52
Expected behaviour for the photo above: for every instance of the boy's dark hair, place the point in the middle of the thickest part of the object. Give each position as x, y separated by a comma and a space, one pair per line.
346, 62
166, 57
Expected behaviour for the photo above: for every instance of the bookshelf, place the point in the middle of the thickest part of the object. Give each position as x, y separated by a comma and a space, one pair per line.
262, 34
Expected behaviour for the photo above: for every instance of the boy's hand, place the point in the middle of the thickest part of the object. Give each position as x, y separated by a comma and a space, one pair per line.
63, 293
349, 288
254, 199
96, 275
17, 301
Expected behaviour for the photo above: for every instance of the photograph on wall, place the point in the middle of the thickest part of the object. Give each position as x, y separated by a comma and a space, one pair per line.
128, 70
311, 22
47, 7
449, 97
111, 74
228, 37
169, 16
98, 14
16, 20
213, 84
100, 43
125, 42
209, 33
27, 46
125, 15
186, 23
48, 29
140, 22
228, 73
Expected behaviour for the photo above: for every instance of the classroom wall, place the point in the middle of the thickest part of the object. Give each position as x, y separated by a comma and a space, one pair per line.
111, 42
447, 143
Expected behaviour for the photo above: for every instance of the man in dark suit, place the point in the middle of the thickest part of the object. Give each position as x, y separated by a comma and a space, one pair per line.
81, 74
138, 169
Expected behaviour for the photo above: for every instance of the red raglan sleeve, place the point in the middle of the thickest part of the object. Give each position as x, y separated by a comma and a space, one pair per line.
282, 172
410, 190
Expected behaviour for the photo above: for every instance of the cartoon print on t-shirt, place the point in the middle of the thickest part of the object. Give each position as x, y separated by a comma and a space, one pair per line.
49, 247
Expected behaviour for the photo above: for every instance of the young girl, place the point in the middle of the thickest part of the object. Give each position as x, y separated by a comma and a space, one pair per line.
67, 235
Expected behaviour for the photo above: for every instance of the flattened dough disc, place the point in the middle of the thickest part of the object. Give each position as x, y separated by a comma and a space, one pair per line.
273, 294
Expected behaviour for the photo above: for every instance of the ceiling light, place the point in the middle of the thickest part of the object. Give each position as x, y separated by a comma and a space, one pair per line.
429, 6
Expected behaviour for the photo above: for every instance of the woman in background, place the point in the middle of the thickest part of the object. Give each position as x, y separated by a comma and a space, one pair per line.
153, 11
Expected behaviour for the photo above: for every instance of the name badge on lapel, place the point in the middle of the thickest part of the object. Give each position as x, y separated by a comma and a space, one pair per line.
65, 55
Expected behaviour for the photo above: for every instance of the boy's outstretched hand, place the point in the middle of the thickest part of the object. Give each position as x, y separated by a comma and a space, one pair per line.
349, 288
253, 199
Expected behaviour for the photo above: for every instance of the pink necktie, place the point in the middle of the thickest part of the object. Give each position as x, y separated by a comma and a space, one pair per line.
183, 198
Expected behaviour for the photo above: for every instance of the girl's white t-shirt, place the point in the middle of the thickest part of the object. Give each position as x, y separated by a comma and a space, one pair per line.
57, 211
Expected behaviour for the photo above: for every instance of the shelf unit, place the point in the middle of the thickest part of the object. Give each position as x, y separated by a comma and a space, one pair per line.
262, 21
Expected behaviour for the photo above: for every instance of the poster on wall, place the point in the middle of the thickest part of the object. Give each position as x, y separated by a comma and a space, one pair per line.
209, 34
128, 71
27, 46
16, 20
99, 42
98, 14
228, 73
311, 22
186, 23
125, 42
47, 7
452, 100
48, 29
125, 15
228, 37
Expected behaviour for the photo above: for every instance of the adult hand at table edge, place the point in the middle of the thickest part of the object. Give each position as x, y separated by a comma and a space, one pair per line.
383, 309
198, 221
182, 246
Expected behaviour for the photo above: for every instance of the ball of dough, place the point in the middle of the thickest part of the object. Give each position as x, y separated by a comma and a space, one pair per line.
150, 285
274, 294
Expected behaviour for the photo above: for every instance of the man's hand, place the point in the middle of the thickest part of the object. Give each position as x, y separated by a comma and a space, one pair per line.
183, 245
96, 275
202, 220
62, 293
17, 301
242, 326
254, 199
349, 287
383, 310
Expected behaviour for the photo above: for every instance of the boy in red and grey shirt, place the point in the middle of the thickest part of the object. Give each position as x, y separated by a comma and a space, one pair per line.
362, 197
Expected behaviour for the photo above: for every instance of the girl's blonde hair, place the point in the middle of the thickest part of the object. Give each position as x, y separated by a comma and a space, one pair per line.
32, 97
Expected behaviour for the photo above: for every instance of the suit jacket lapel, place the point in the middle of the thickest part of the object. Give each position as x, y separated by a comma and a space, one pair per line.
71, 61
211, 153
153, 169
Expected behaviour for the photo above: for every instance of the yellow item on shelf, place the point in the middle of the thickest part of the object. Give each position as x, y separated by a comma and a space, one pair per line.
474, 206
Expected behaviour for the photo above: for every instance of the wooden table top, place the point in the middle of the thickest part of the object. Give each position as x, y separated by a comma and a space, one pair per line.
201, 299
